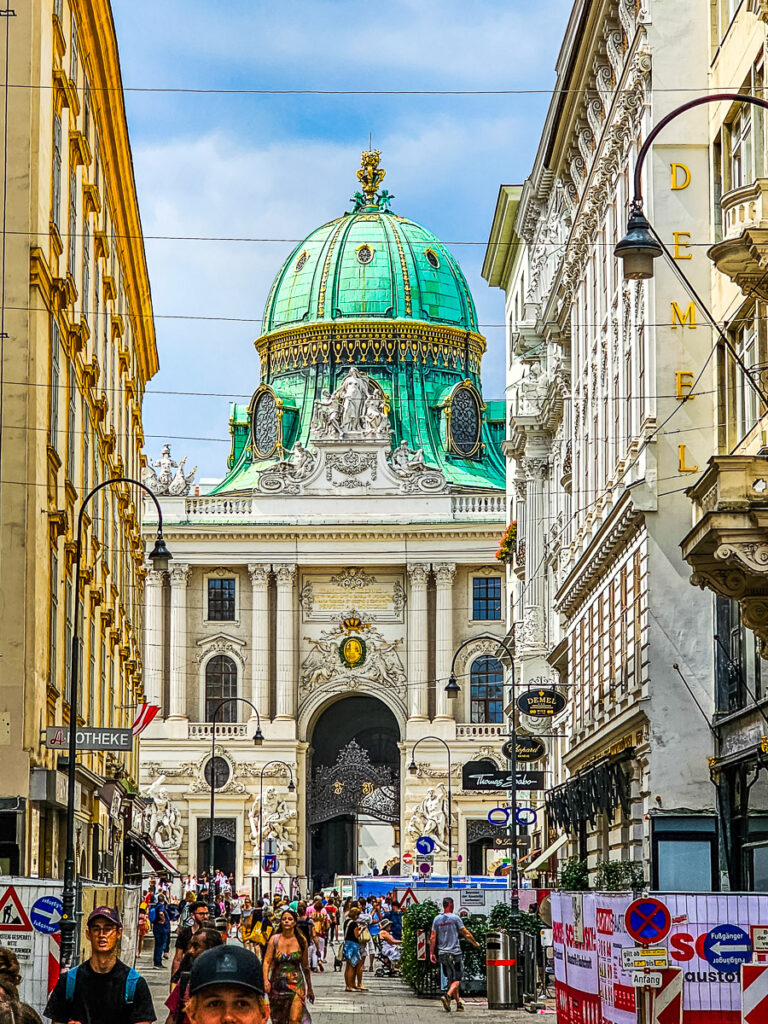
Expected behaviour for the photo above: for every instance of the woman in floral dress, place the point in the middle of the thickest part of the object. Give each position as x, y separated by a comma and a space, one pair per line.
287, 978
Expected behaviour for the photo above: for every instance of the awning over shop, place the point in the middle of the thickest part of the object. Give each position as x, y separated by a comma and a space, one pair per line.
156, 857
546, 854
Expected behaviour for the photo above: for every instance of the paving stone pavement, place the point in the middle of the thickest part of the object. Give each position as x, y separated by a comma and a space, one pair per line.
386, 1001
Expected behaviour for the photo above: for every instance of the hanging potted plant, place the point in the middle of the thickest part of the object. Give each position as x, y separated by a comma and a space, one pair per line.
507, 544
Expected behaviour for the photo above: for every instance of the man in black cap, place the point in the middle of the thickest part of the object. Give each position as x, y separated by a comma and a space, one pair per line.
102, 990
226, 984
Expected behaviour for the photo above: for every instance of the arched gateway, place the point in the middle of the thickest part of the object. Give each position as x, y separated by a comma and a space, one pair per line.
353, 797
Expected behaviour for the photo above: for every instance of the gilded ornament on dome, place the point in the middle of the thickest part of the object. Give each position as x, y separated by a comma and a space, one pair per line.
370, 174
365, 254
302, 261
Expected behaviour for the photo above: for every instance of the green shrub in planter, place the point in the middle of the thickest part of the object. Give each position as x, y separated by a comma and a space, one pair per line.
574, 876
619, 875
418, 917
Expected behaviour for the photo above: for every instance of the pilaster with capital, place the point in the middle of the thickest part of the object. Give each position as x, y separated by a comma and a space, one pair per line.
418, 574
536, 470
179, 576
153, 654
285, 576
444, 575
260, 637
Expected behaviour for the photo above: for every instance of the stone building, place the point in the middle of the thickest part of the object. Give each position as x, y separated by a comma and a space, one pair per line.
337, 572
78, 347
601, 448
726, 546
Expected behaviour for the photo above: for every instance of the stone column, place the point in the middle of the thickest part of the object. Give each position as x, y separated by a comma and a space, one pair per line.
178, 701
154, 649
533, 628
417, 641
444, 573
286, 641
260, 638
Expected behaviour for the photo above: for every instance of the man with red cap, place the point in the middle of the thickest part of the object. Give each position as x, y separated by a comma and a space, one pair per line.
101, 990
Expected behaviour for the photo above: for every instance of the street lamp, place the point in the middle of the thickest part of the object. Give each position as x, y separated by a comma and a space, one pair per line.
258, 739
159, 556
641, 246
412, 769
291, 789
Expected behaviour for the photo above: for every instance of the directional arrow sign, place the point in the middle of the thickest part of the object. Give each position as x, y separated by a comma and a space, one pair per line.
726, 947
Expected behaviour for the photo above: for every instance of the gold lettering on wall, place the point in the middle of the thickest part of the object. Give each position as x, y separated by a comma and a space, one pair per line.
679, 244
681, 463
677, 170
683, 384
689, 317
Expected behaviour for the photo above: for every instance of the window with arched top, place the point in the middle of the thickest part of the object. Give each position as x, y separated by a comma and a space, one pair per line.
486, 679
220, 683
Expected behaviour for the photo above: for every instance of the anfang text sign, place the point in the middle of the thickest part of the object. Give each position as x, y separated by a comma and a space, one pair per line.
57, 738
478, 776
541, 703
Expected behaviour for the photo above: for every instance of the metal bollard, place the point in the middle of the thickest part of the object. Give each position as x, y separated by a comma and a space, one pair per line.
501, 970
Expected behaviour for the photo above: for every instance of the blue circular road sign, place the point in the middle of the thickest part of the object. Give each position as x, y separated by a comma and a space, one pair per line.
726, 947
425, 845
45, 914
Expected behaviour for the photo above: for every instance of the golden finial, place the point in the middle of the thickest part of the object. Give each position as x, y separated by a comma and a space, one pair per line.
370, 174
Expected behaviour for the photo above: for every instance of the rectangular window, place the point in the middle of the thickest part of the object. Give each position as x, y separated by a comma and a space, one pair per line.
86, 110
72, 253
56, 196
486, 598
53, 620
86, 455
92, 675
86, 297
73, 54
221, 600
71, 421
53, 405
103, 708
68, 638
741, 148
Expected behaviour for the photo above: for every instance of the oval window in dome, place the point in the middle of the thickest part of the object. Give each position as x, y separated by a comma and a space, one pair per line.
464, 423
264, 427
364, 255
432, 258
301, 262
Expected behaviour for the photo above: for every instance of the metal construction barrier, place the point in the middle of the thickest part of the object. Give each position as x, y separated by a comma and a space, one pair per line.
527, 967
501, 970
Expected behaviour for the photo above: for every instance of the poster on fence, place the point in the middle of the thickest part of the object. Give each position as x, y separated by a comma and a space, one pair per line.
589, 934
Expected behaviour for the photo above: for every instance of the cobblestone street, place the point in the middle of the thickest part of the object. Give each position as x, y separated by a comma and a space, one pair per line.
386, 1001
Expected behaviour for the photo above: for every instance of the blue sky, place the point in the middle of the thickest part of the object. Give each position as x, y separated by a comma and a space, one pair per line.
278, 166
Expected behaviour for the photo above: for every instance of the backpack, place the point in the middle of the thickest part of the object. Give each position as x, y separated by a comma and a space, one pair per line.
130, 985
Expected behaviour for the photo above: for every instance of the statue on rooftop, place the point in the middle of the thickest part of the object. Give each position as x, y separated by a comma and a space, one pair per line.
171, 480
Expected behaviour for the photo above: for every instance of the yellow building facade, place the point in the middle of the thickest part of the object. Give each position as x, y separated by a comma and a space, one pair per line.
78, 348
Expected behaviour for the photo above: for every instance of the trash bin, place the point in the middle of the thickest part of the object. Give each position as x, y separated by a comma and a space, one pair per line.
501, 970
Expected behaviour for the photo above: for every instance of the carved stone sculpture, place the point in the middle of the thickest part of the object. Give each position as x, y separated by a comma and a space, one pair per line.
286, 475
430, 818
165, 828
355, 409
276, 815
171, 480
407, 462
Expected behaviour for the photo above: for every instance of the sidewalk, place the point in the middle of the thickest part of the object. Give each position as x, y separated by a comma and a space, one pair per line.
386, 1001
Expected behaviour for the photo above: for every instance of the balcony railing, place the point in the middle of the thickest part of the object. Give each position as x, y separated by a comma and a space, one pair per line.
225, 730
741, 254
478, 730
478, 504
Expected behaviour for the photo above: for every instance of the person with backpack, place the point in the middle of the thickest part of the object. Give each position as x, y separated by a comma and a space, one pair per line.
102, 989
444, 947
161, 929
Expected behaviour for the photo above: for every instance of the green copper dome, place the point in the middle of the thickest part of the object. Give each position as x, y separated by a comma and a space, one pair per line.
370, 264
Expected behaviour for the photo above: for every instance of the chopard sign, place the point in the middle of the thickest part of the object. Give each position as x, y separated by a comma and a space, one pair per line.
477, 775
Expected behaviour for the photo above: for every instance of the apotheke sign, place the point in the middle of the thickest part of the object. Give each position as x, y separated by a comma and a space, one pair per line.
57, 738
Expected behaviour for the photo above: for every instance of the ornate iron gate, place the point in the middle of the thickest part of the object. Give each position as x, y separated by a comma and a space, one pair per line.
354, 785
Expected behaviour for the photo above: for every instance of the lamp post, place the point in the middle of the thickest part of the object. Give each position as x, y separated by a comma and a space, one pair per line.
412, 769
258, 739
159, 556
453, 689
291, 789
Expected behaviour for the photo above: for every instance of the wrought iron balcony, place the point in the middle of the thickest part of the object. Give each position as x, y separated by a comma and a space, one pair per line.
743, 252
728, 547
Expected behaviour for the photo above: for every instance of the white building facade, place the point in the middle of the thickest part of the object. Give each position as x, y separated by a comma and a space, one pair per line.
337, 577
604, 436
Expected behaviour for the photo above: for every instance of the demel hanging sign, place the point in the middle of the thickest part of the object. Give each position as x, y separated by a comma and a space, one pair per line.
544, 702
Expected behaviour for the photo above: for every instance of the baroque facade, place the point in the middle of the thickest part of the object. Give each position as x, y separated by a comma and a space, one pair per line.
78, 350
329, 581
601, 447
